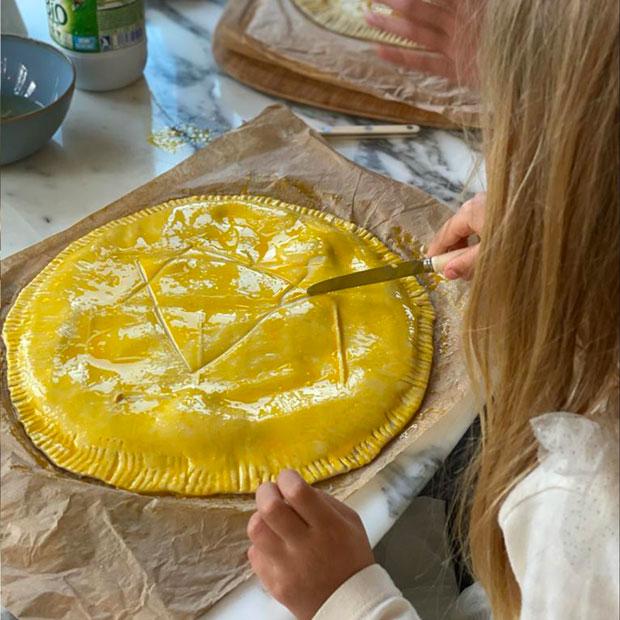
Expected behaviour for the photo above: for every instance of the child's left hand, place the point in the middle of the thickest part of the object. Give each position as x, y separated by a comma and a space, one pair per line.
305, 544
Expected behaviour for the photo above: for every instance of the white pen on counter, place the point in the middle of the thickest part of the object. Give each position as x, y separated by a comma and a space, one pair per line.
368, 131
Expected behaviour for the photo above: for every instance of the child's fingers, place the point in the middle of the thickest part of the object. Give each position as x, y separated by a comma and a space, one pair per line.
303, 498
417, 32
463, 265
468, 220
435, 15
262, 536
310, 502
261, 565
277, 514
453, 233
426, 62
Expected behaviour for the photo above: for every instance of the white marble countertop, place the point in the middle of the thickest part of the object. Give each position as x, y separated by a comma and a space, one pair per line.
102, 151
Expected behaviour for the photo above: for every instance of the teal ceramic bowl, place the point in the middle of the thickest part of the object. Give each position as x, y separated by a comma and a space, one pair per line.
36, 89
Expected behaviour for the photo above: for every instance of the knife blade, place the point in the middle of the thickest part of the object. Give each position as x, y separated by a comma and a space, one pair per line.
434, 264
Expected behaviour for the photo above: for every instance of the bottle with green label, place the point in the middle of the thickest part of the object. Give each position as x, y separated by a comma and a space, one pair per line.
105, 39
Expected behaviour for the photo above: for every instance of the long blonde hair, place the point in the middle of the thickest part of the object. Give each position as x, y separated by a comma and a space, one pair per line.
543, 318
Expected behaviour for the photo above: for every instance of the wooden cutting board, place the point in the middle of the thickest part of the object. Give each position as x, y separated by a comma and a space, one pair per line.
281, 82
245, 61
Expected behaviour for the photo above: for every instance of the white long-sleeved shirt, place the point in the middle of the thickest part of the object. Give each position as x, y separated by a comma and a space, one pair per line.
560, 526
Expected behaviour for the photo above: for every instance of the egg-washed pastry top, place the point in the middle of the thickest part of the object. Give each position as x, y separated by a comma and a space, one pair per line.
347, 17
176, 350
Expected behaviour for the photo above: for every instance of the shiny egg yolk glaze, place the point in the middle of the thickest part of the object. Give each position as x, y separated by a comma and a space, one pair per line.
176, 351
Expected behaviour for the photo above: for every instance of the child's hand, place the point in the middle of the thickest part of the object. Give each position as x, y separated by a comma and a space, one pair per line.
448, 30
305, 544
468, 220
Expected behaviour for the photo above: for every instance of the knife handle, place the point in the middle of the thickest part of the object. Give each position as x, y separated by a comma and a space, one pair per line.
441, 260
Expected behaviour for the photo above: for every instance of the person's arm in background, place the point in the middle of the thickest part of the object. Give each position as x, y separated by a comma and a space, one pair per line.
446, 30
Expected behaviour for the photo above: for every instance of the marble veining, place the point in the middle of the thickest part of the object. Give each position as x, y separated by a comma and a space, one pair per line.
405, 477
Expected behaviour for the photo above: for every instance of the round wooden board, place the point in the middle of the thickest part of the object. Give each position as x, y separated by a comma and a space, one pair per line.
280, 82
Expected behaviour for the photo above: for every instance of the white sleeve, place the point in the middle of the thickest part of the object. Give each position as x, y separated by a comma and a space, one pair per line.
560, 524
368, 595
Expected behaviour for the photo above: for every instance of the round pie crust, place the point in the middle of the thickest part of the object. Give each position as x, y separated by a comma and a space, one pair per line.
176, 351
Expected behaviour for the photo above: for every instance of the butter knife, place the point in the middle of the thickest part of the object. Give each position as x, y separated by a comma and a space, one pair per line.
433, 264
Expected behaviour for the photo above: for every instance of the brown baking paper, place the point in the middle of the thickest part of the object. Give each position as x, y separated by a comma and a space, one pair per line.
276, 31
74, 547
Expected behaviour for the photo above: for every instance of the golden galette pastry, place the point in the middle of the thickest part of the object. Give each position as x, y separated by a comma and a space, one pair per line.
347, 17
176, 350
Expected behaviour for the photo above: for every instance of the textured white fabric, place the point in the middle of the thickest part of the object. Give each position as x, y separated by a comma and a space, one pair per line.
368, 595
560, 524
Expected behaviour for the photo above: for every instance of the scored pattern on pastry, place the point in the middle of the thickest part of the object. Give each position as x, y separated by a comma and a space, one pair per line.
347, 17
175, 350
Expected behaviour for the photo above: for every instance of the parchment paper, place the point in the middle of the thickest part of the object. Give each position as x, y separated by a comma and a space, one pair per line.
277, 31
74, 547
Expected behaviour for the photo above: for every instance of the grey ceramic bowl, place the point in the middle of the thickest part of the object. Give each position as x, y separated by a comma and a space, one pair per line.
45, 77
